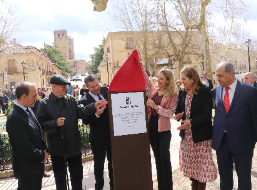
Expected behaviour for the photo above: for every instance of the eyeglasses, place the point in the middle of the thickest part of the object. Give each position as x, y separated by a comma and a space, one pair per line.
63, 86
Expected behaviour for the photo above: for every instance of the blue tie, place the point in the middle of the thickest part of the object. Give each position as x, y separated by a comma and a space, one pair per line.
32, 117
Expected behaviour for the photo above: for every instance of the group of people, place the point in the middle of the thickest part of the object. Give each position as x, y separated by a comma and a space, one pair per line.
233, 133
57, 117
6, 97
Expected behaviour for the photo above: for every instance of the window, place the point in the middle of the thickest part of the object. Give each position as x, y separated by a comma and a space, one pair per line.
130, 43
70, 43
58, 35
62, 34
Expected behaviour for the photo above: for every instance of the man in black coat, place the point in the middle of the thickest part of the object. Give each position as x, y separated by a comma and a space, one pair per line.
28, 148
83, 90
207, 81
58, 115
99, 131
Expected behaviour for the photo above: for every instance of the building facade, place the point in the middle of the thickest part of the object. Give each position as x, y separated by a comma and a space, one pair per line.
25, 63
119, 45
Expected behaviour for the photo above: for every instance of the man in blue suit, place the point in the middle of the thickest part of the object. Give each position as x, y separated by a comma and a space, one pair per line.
235, 127
249, 78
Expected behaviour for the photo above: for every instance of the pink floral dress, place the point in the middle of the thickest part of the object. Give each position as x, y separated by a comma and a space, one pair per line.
196, 158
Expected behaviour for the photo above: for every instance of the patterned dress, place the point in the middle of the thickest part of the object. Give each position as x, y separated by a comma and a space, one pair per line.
196, 158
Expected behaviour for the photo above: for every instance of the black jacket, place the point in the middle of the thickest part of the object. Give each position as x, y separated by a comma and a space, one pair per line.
82, 90
49, 110
99, 127
200, 116
27, 144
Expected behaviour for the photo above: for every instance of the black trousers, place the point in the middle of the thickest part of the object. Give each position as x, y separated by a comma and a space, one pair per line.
31, 183
99, 149
75, 169
160, 143
243, 165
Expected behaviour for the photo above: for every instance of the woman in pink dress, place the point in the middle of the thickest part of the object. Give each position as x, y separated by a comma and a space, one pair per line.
195, 109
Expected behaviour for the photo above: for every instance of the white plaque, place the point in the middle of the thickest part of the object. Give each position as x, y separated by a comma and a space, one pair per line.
128, 111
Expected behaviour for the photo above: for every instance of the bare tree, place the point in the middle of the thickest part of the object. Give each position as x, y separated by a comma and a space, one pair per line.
8, 23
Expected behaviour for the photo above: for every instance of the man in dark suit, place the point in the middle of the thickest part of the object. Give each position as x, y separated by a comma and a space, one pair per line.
235, 127
28, 148
206, 81
99, 131
249, 78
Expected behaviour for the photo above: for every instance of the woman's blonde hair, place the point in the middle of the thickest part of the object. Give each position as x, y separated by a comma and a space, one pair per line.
192, 73
170, 87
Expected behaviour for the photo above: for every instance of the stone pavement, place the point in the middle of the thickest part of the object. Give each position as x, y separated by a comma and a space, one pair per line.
180, 182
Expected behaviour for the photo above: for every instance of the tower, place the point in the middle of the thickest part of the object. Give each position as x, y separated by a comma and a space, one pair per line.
64, 43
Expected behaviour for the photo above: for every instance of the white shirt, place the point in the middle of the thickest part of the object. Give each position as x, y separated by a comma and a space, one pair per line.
95, 96
22, 107
231, 91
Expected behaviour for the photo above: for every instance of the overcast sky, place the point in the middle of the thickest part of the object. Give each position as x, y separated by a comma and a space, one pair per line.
39, 19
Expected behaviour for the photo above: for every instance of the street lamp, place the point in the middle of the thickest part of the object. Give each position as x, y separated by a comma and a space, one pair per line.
107, 69
23, 63
248, 45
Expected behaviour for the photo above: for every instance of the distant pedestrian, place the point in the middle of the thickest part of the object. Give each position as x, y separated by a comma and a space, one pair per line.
249, 78
206, 81
40, 93
83, 90
70, 90
13, 96
77, 92
5, 103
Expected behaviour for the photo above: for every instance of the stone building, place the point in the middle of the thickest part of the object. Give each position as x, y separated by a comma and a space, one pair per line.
65, 43
119, 45
79, 66
25, 63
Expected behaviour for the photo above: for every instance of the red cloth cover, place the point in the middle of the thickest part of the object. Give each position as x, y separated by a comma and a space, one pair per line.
130, 77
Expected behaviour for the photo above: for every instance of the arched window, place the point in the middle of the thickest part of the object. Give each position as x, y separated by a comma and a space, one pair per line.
70, 43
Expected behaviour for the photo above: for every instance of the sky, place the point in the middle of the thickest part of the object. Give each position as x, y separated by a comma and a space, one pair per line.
39, 20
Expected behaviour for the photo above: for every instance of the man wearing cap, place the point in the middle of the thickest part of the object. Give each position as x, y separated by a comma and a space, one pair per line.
99, 136
58, 115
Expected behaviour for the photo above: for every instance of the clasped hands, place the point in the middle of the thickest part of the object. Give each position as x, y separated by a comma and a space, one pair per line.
100, 106
186, 123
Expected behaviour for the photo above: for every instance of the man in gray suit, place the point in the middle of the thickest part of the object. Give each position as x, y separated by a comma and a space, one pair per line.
28, 148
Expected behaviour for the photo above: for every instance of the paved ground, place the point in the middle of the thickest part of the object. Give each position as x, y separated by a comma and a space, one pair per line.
180, 182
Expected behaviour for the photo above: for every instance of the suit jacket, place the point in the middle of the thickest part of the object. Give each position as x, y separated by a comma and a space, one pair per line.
166, 108
27, 144
200, 114
241, 119
99, 127
255, 84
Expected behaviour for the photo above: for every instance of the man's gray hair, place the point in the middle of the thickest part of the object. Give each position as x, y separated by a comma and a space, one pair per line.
90, 78
228, 67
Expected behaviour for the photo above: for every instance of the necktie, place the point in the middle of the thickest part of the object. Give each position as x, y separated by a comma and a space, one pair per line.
32, 117
99, 97
226, 102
